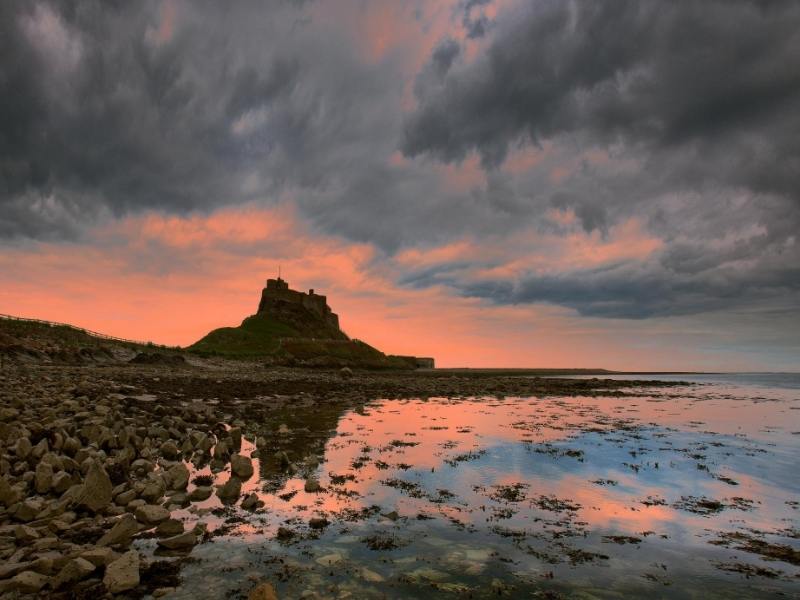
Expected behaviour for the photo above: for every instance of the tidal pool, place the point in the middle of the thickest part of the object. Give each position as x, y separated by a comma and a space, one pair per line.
683, 492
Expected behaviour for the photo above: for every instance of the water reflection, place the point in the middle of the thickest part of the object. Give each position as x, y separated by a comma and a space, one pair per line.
683, 494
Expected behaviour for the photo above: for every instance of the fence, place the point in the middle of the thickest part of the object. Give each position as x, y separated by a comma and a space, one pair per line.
95, 334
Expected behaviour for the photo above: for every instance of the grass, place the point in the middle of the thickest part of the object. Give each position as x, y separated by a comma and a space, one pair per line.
258, 335
262, 336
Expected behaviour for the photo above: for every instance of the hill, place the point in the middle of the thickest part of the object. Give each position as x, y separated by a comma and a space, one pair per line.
295, 328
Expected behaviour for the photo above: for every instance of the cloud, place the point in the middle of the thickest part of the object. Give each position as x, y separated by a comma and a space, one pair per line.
692, 109
523, 137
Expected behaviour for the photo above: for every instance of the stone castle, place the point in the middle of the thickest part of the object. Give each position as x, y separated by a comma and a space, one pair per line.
277, 295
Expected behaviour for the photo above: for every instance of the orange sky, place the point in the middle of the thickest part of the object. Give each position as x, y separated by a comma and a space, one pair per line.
163, 160
172, 279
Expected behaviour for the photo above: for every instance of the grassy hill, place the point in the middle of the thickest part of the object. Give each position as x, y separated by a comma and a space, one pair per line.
293, 342
258, 335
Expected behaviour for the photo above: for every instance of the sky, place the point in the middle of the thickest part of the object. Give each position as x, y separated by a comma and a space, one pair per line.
519, 183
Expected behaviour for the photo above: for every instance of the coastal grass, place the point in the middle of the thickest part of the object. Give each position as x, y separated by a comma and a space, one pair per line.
258, 335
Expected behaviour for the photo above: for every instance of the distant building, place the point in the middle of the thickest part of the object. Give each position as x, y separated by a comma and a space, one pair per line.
278, 292
417, 362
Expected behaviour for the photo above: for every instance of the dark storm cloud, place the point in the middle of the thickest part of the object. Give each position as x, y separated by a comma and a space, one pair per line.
111, 108
701, 97
657, 73
642, 291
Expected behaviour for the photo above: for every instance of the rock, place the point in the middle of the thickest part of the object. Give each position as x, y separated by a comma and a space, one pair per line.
312, 486
40, 449
61, 482
236, 437
201, 493
284, 533
177, 477
153, 491
23, 448
241, 466
318, 523
169, 528
123, 573
251, 502
142, 466
9, 494
346, 372
100, 557
263, 591
25, 534
125, 497
121, 533
28, 509
231, 490
72, 572
10, 569
178, 499
95, 494
179, 542
283, 459
151, 514
221, 451
29, 582
170, 450
43, 478
47, 563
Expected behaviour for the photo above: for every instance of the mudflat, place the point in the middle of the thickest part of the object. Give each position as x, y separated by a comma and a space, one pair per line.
179, 477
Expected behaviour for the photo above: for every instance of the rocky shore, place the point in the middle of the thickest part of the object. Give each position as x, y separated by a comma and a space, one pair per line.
93, 458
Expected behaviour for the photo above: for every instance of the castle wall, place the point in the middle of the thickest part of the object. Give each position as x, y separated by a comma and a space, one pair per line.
277, 290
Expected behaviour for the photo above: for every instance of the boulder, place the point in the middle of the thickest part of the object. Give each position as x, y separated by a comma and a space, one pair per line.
312, 486
170, 450
179, 542
121, 533
151, 514
43, 478
236, 437
251, 502
201, 493
153, 490
231, 490
241, 466
169, 528
61, 482
23, 448
122, 574
28, 509
25, 534
99, 557
177, 477
9, 494
29, 582
95, 494
124, 498
72, 572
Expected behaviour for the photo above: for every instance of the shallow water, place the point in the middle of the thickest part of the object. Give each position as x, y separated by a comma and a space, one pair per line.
673, 495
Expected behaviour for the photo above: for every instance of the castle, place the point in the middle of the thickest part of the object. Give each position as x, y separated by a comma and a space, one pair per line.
276, 296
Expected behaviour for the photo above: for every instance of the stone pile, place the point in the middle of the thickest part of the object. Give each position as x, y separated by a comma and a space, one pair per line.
86, 469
